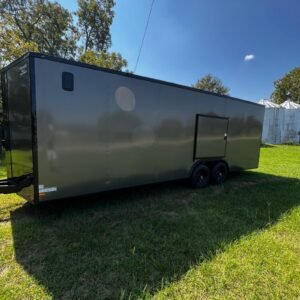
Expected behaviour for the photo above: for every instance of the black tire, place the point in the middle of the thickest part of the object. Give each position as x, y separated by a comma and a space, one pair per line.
219, 173
200, 177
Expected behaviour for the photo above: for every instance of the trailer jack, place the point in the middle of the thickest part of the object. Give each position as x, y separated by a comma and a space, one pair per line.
15, 184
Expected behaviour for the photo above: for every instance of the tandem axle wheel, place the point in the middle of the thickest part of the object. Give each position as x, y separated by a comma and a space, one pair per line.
202, 175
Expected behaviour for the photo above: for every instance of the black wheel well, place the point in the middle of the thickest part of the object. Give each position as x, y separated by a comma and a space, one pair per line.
214, 162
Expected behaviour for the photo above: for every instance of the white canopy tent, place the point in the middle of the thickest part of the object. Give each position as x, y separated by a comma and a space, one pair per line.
291, 122
281, 122
290, 105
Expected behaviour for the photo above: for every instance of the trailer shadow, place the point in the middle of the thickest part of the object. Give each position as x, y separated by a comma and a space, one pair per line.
130, 242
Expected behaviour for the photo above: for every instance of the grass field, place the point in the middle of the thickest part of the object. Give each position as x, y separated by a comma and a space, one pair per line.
239, 241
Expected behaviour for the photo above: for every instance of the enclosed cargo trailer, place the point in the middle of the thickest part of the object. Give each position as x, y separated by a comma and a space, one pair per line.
73, 129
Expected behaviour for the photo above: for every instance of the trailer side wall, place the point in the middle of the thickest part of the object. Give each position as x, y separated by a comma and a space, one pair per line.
113, 131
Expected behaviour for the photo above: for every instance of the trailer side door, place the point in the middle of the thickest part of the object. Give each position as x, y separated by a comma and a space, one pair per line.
210, 136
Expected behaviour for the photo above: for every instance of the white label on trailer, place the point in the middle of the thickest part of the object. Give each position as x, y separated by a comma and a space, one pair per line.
23, 70
43, 189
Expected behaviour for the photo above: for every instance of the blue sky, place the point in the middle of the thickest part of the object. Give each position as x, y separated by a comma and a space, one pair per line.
188, 39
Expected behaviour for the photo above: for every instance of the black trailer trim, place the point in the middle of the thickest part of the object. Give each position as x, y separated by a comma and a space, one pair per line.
34, 131
195, 138
6, 141
210, 159
225, 151
211, 116
93, 67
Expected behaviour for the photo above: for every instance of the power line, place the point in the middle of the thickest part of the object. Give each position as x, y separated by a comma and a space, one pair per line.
144, 35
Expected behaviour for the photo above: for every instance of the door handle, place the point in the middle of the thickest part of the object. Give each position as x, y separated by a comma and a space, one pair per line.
225, 136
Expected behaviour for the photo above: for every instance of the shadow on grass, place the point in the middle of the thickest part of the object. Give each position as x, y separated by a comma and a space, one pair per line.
131, 242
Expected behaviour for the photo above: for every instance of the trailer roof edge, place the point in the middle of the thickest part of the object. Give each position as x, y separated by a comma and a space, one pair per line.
89, 66
15, 62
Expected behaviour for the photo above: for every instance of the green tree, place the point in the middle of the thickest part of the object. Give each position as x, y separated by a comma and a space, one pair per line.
35, 25
94, 20
45, 26
211, 84
55, 33
12, 45
287, 87
103, 59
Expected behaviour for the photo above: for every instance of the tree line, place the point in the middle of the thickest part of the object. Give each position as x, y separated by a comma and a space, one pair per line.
286, 88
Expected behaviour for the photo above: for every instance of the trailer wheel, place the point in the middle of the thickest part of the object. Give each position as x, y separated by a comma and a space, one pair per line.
219, 173
200, 177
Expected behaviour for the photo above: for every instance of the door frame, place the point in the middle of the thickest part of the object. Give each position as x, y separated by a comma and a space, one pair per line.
196, 135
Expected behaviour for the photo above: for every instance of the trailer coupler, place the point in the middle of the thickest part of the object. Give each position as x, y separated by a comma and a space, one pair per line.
15, 184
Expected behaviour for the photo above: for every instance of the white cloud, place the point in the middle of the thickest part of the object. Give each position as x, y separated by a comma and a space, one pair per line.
249, 57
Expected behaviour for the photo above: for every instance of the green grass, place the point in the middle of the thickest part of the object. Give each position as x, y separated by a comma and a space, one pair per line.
167, 241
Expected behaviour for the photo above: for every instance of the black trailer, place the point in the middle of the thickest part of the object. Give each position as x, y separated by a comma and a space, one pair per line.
73, 129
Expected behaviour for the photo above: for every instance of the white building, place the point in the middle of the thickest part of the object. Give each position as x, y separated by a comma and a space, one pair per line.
281, 122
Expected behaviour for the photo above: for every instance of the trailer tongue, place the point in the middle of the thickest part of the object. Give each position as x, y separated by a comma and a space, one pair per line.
15, 185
